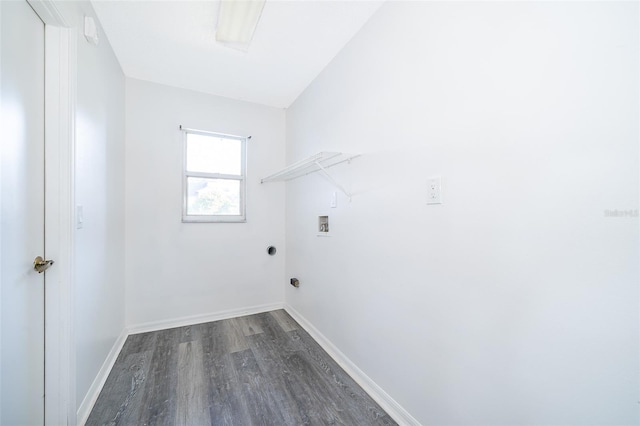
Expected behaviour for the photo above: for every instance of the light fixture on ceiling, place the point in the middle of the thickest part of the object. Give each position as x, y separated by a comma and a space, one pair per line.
237, 21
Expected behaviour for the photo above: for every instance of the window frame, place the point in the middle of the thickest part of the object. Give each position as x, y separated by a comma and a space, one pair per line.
242, 178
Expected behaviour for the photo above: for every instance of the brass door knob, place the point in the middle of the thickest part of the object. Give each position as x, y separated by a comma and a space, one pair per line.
41, 265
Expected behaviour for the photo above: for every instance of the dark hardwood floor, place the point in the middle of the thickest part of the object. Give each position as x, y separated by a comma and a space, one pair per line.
260, 369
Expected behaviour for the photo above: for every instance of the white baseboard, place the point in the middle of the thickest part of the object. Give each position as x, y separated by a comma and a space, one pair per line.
198, 319
388, 404
96, 387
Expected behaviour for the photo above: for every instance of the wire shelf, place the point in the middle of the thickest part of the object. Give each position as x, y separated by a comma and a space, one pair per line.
317, 162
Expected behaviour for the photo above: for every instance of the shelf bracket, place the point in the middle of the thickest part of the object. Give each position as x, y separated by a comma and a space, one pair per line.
332, 180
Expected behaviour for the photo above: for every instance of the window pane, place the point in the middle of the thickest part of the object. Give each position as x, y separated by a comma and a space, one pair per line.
212, 154
213, 197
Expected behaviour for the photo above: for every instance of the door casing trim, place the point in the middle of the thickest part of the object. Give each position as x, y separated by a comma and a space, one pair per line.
60, 108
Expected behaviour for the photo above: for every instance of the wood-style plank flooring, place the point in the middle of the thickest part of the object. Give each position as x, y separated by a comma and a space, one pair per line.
260, 369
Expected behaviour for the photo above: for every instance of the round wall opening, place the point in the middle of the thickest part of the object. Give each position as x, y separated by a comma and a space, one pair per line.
271, 250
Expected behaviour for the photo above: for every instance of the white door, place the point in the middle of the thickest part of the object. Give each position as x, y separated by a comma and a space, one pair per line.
22, 228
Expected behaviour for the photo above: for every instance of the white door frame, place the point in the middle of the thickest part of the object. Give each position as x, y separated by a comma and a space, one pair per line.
60, 106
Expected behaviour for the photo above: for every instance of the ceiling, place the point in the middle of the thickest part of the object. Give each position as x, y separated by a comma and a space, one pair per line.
173, 43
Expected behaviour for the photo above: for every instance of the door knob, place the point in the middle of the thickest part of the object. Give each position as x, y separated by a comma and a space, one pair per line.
41, 265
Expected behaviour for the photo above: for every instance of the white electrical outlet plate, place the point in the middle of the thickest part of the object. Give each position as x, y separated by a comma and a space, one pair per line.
334, 200
434, 190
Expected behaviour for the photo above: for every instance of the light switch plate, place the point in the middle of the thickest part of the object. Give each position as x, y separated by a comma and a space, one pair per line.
79, 217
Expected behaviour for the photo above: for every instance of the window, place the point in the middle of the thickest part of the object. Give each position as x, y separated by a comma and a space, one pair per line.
214, 177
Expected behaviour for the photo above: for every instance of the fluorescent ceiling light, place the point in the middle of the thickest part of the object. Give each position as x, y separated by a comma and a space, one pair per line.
237, 21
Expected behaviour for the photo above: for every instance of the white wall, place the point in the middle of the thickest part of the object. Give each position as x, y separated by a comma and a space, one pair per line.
99, 186
516, 301
176, 270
